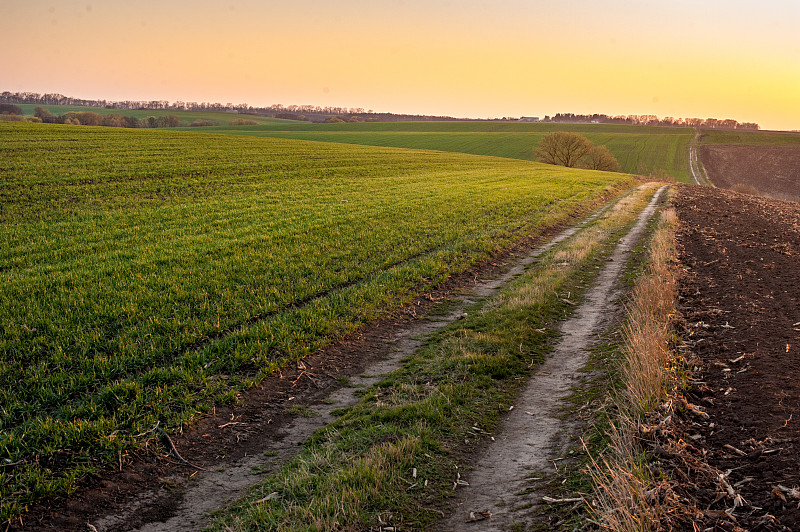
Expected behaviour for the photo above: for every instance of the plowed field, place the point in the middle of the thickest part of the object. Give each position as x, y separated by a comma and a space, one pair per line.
740, 298
772, 170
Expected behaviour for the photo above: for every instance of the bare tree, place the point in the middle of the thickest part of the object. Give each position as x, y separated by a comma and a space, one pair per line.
562, 148
599, 158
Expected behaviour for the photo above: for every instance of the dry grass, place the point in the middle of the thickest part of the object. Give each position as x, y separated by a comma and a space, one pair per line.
534, 290
627, 497
647, 332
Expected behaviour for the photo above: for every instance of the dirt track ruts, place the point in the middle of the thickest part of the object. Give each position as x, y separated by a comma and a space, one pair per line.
534, 433
176, 500
215, 489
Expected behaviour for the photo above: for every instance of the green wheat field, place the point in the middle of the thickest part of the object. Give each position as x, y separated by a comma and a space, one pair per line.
148, 275
643, 150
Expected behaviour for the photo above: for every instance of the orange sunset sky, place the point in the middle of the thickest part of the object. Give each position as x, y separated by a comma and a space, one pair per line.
701, 58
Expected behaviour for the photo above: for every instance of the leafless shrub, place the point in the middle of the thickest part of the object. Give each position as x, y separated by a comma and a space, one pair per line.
563, 148
570, 149
600, 158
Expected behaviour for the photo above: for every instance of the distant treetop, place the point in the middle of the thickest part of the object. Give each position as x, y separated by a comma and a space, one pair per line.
316, 113
652, 120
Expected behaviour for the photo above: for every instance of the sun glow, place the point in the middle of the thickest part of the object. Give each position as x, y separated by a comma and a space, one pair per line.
477, 59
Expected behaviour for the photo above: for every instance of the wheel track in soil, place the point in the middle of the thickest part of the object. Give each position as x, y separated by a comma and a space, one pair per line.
207, 491
534, 435
181, 501
696, 168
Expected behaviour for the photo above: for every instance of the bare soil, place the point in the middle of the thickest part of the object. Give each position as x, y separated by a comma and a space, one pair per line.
772, 170
740, 300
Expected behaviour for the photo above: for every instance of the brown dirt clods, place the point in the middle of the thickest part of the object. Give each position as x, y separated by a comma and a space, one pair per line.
740, 301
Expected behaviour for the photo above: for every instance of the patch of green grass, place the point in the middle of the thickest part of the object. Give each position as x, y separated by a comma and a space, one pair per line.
302, 411
420, 418
639, 149
148, 275
443, 308
343, 381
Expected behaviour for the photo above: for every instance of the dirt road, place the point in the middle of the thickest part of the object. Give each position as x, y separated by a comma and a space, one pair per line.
233, 449
696, 168
535, 433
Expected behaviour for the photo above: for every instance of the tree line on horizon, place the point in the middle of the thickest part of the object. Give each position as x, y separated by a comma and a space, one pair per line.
311, 113
652, 120
316, 113
12, 112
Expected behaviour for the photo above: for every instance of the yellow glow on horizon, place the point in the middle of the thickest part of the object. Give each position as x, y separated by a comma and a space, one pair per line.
472, 58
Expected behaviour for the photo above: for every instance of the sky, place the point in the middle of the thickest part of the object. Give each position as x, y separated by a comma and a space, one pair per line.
468, 58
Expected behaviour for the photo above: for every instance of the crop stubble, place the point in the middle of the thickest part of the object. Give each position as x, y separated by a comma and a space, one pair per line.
741, 304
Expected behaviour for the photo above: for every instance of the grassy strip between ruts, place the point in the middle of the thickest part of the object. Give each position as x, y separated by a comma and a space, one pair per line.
647, 371
393, 459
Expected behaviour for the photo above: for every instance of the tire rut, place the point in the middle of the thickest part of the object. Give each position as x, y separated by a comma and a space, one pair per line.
534, 436
207, 491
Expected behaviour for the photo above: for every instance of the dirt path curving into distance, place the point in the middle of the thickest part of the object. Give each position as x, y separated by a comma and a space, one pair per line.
215, 489
696, 167
233, 449
534, 434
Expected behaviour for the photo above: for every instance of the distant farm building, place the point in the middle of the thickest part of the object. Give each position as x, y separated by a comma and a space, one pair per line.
529, 119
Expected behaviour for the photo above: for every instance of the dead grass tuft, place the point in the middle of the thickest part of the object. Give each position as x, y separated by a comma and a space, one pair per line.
646, 369
627, 496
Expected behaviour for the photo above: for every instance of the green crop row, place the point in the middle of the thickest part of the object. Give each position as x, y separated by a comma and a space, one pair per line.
639, 149
147, 275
